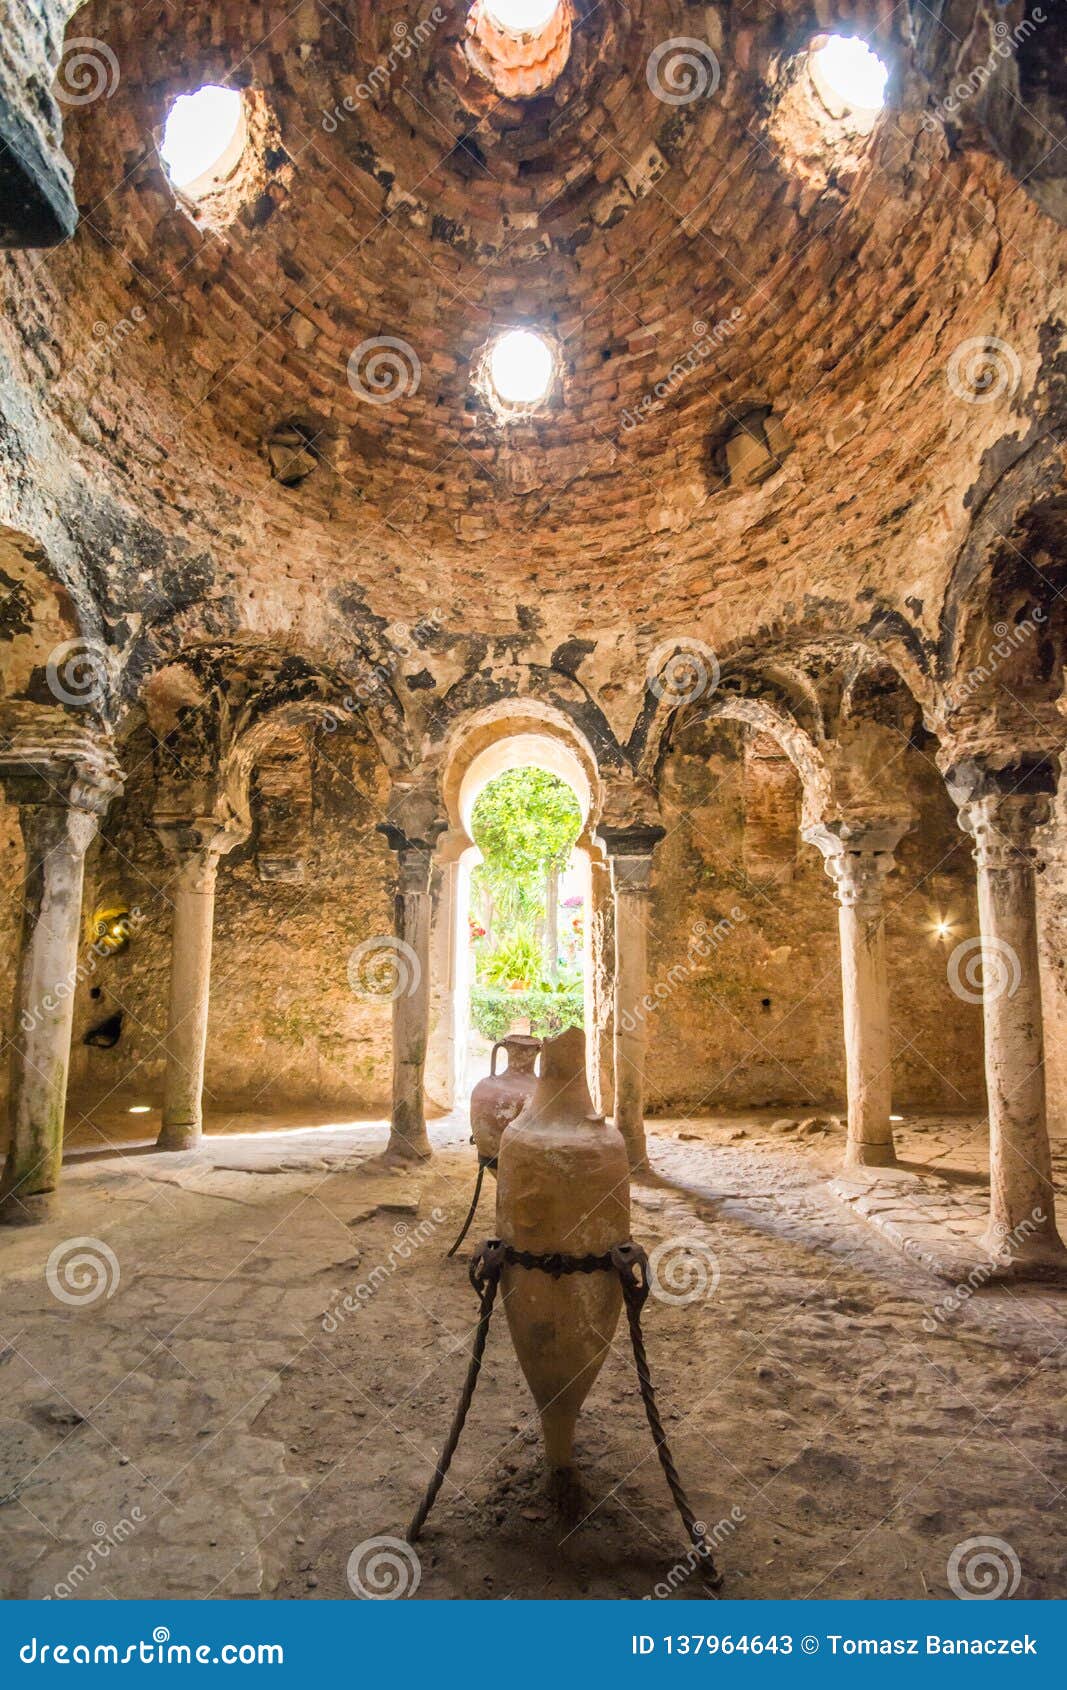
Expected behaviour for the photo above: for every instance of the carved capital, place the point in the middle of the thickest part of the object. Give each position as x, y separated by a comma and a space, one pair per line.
858, 854
1002, 807
196, 843
415, 817
62, 777
629, 849
1003, 828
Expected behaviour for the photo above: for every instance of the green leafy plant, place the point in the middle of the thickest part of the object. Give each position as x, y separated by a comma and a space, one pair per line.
495, 1012
525, 823
516, 959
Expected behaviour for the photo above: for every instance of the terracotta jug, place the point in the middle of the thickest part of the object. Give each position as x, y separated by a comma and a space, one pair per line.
496, 1100
563, 1186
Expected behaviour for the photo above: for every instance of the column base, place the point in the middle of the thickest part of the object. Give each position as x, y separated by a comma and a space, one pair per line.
180, 1135
400, 1150
859, 1154
31, 1210
1032, 1258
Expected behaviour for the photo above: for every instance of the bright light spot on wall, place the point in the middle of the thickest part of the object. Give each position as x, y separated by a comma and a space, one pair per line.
521, 17
855, 74
200, 133
140, 1109
520, 367
896, 1117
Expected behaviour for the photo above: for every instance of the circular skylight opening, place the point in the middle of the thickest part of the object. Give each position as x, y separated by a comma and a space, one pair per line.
846, 66
521, 17
203, 139
521, 367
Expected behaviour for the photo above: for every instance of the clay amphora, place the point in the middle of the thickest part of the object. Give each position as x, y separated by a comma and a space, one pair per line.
563, 1186
496, 1100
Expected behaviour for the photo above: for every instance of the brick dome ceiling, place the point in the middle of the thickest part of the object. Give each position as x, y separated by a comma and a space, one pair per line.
730, 259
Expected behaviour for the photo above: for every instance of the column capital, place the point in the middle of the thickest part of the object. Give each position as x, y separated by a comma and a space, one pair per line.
414, 857
630, 839
196, 843
1003, 806
48, 760
1003, 828
629, 849
858, 854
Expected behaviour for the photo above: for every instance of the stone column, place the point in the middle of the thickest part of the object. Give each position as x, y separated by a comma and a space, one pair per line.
630, 855
197, 847
859, 856
1001, 810
410, 991
59, 812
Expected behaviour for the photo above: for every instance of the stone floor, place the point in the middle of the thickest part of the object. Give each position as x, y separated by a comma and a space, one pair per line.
192, 1411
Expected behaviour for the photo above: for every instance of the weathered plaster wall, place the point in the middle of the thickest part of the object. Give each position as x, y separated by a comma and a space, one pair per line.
757, 1020
286, 1026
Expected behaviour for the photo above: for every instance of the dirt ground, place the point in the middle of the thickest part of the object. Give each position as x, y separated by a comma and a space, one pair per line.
220, 1425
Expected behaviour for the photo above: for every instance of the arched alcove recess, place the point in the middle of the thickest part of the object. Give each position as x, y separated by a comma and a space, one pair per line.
515, 734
